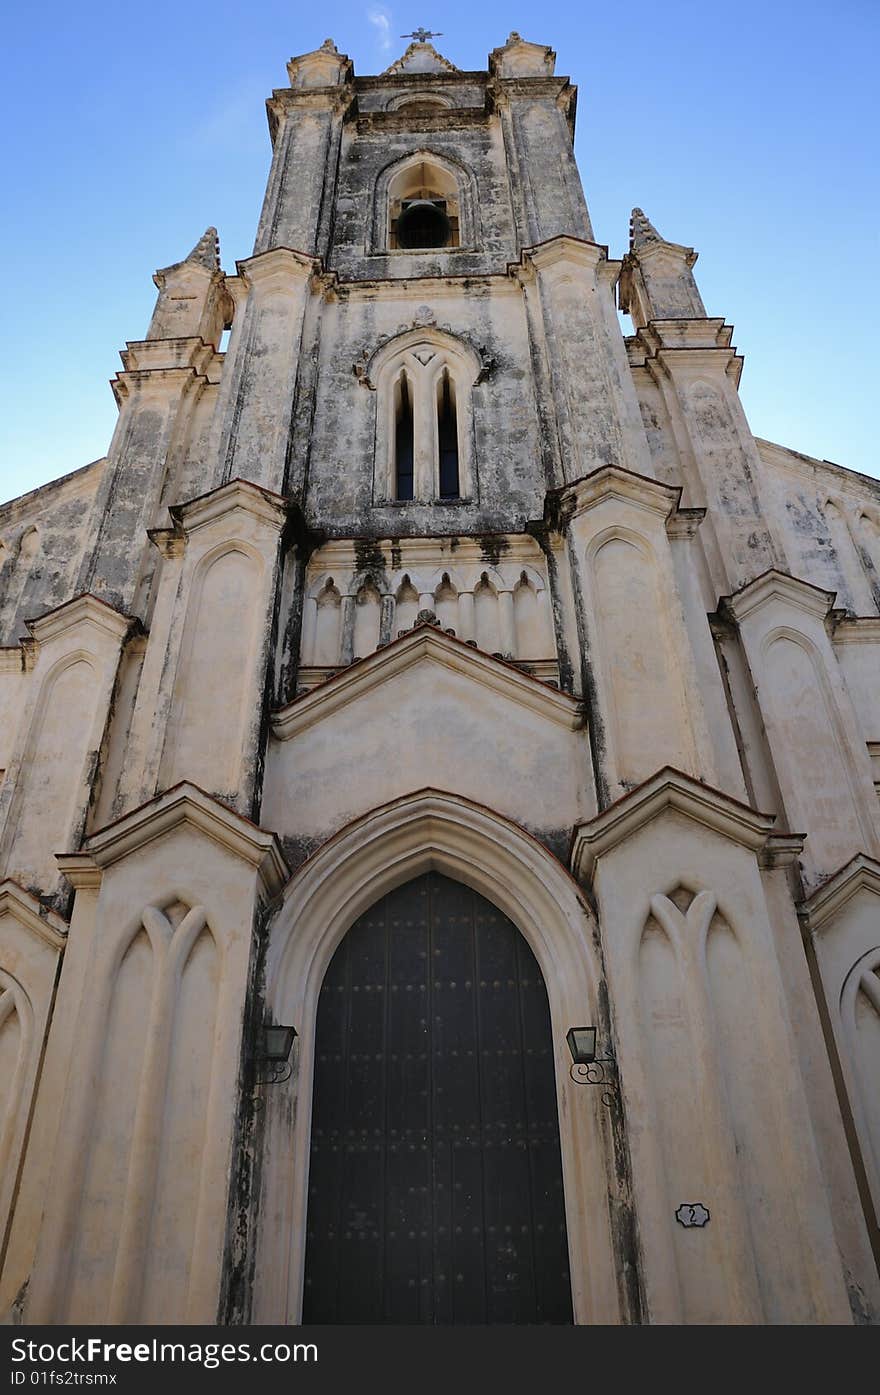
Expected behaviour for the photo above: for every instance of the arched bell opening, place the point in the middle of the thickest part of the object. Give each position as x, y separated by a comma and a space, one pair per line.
423, 207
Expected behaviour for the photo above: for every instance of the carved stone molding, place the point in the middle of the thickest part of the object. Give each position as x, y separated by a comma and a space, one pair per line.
611, 481
861, 872
463, 839
775, 584
185, 803
30, 913
425, 643
668, 789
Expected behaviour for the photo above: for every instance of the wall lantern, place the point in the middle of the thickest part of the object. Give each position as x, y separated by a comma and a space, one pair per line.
586, 1067
274, 1045
582, 1044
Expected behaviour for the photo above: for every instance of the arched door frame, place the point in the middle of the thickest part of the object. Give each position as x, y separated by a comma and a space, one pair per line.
433, 831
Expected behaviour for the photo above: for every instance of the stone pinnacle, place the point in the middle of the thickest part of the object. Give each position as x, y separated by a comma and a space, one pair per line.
207, 250
641, 230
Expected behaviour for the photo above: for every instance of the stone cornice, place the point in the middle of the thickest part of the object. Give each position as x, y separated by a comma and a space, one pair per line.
83, 609
861, 872
187, 271
448, 283
183, 804
287, 99
522, 85
781, 850
151, 365
425, 643
567, 501
773, 585
646, 251
502, 92
698, 335
669, 789
30, 913
543, 255
12, 659
381, 82
717, 363
470, 548
148, 355
857, 629
279, 267
237, 494
684, 523
80, 870
441, 119
860, 489
155, 382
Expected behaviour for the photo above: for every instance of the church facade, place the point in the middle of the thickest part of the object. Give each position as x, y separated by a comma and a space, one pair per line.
454, 680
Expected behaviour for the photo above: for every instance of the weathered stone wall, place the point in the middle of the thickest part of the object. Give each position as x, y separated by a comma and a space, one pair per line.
497, 685
335, 442
44, 536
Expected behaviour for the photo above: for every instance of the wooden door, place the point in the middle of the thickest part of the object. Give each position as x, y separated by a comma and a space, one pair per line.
435, 1178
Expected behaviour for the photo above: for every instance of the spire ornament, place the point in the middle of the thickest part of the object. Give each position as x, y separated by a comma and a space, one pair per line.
642, 230
423, 36
207, 250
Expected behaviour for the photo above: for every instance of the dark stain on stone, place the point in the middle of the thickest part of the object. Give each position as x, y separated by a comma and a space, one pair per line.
240, 1247
369, 557
493, 548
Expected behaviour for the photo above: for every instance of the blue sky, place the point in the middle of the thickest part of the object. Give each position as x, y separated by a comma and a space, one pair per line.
747, 131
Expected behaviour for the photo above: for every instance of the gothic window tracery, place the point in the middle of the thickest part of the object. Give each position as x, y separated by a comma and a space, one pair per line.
424, 428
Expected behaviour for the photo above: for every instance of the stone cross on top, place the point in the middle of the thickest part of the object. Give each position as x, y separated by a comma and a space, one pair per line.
422, 36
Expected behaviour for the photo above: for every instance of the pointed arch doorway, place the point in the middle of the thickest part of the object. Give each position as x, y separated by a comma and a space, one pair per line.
435, 1175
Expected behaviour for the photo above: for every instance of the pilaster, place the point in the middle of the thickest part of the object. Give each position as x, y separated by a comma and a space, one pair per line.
689, 356
252, 432
700, 1014
596, 411
65, 707
200, 699
32, 940
640, 672
305, 121
821, 760
144, 1065
156, 390
841, 919
537, 113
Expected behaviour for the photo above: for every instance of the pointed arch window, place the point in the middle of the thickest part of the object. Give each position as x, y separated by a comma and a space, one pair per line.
404, 443
447, 437
424, 433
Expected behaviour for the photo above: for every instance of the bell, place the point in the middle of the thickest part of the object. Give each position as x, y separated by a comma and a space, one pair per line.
423, 223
